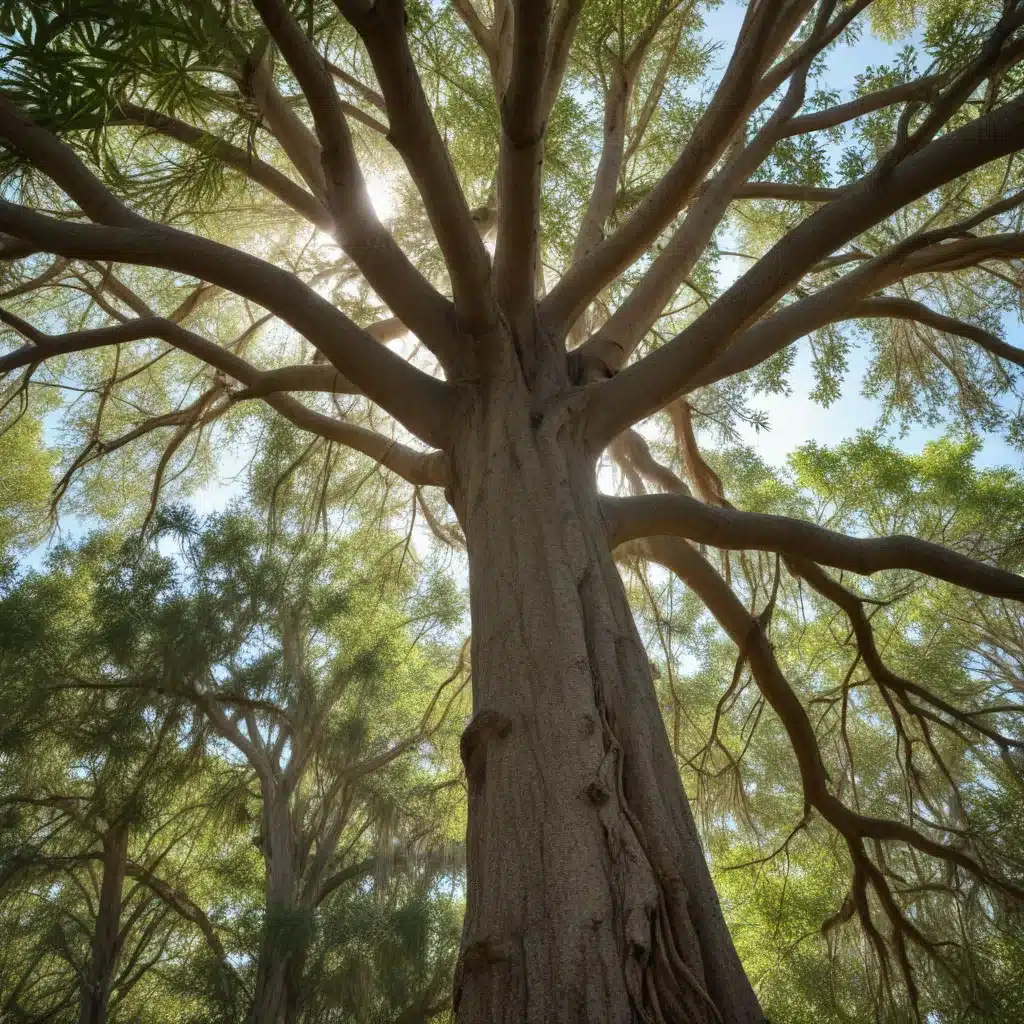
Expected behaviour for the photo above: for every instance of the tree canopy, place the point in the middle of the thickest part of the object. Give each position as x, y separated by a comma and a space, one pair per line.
171, 724
470, 297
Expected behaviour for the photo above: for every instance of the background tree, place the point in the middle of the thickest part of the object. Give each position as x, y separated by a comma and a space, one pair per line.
111, 812
203, 741
318, 674
138, 136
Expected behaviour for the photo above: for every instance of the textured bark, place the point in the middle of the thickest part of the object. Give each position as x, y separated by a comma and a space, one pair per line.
106, 940
277, 995
588, 895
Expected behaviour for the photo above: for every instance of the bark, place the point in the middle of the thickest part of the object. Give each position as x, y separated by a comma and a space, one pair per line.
278, 990
106, 940
588, 895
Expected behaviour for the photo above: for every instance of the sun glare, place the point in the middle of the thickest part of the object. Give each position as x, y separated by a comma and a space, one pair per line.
381, 196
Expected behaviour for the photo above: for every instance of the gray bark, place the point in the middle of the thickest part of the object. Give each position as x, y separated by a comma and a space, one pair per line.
588, 895
106, 940
278, 991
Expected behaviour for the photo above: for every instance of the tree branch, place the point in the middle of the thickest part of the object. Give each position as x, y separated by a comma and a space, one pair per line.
411, 396
270, 178
601, 203
900, 308
60, 163
835, 301
612, 345
563, 29
820, 120
752, 640
478, 30
389, 271
523, 122
182, 905
650, 384
729, 109
361, 869
786, 192
419, 468
853, 607
368, 94
413, 132
298, 142
678, 515
798, 56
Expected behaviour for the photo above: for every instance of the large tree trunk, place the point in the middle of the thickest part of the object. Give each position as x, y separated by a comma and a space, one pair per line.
588, 895
287, 923
275, 999
106, 940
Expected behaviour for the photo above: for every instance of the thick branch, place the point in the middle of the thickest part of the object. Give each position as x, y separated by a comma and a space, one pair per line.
841, 299
920, 88
523, 121
632, 449
784, 191
360, 233
563, 29
414, 398
677, 515
728, 110
613, 344
478, 30
59, 162
297, 141
658, 378
418, 468
413, 132
601, 203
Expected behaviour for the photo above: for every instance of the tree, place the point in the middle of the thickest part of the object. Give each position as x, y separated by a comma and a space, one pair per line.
307, 669
203, 742
107, 810
135, 129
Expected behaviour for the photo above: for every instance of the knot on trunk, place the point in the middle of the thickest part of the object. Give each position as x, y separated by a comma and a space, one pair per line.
484, 952
485, 725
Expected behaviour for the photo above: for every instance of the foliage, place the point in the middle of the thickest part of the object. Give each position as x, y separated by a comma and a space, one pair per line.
113, 662
283, 683
784, 878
